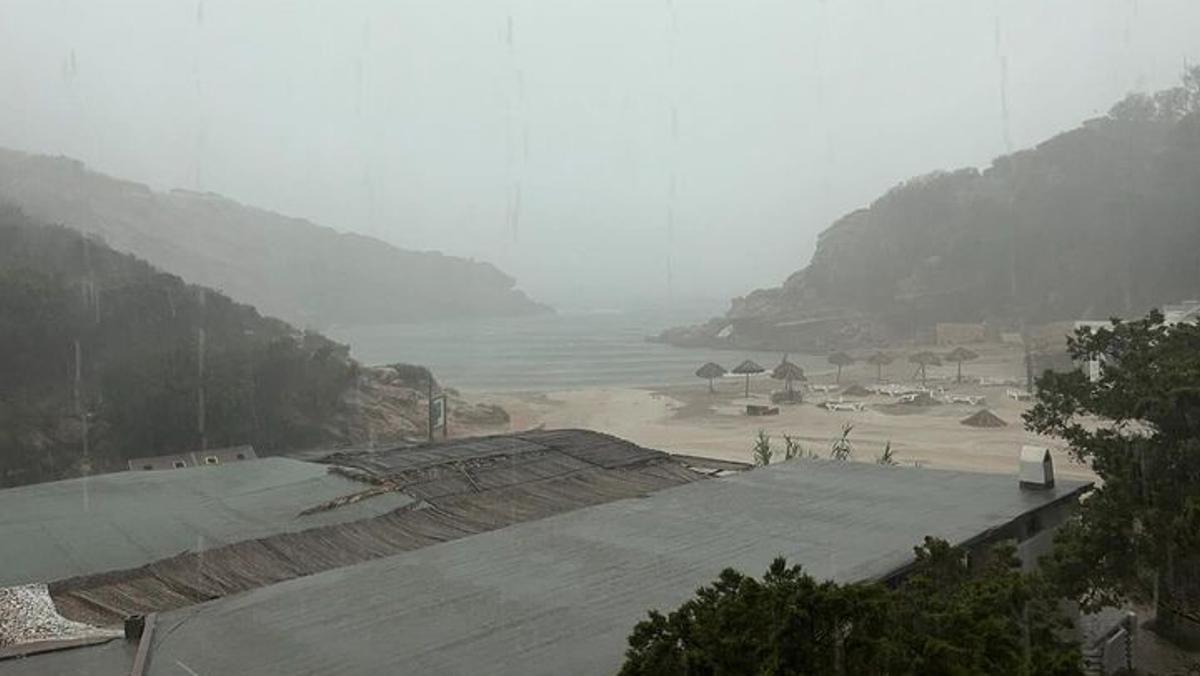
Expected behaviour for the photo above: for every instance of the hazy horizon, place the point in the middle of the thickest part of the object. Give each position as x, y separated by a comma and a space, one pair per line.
600, 153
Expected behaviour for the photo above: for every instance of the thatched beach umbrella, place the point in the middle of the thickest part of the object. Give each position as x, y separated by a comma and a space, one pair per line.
879, 360
710, 371
748, 368
959, 355
840, 359
788, 372
924, 360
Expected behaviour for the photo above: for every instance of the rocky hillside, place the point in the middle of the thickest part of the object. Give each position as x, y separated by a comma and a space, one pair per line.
310, 275
103, 358
1099, 221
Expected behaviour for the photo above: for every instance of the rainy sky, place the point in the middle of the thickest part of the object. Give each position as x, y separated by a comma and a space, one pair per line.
602, 151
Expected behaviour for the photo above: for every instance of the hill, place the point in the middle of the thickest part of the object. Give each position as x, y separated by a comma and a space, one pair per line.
105, 357
286, 267
1099, 221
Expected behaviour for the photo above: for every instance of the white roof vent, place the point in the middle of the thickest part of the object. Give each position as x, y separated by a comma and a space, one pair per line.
1037, 468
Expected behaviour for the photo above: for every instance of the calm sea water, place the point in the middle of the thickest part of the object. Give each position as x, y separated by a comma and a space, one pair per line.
552, 352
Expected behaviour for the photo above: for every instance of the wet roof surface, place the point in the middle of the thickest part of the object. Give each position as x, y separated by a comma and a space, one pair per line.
90, 525
560, 595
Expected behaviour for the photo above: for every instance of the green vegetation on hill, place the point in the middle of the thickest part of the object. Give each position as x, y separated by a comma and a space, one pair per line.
302, 272
1095, 222
138, 332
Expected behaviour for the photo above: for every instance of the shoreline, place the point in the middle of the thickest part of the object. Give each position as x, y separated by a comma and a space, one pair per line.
686, 419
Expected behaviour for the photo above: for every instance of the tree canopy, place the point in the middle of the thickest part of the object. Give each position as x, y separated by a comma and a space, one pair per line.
1098, 219
1138, 535
945, 618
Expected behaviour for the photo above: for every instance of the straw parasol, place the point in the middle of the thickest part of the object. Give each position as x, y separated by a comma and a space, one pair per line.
879, 360
748, 368
710, 371
788, 372
840, 359
959, 355
924, 360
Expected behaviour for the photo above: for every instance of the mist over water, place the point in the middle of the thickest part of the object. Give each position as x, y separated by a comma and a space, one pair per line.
568, 350
590, 149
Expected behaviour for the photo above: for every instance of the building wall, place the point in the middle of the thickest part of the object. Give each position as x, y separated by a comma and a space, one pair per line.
1040, 529
959, 334
1032, 534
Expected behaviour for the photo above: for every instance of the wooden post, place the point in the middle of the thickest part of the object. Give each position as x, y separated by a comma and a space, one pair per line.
142, 658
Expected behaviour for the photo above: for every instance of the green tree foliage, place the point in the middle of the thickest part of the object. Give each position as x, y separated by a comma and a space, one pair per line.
762, 449
1098, 219
1138, 534
947, 617
138, 331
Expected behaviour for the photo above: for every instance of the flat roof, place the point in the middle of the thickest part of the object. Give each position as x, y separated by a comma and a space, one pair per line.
561, 594
95, 524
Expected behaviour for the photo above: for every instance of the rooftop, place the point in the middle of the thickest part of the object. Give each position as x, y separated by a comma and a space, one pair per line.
140, 542
560, 594
109, 521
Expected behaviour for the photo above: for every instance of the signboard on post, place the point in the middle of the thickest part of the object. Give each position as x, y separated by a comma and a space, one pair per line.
437, 415
437, 412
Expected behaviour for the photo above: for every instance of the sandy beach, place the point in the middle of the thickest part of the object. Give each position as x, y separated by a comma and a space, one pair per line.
688, 419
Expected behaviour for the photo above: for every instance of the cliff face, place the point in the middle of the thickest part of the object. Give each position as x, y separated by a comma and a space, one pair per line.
1099, 221
286, 267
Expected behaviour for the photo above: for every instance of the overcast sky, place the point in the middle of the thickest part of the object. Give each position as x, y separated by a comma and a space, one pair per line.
601, 151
